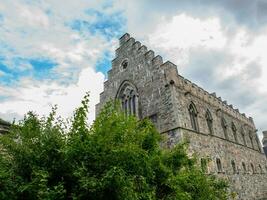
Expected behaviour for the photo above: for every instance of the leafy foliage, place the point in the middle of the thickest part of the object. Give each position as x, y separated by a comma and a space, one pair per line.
118, 157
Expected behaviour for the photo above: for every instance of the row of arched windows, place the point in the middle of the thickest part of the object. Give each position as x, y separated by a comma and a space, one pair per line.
209, 121
244, 169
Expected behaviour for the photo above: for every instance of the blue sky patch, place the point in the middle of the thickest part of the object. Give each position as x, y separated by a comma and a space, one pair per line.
42, 67
108, 25
104, 64
22, 67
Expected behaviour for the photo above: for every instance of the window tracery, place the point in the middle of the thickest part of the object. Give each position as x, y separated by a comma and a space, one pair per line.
193, 117
128, 96
224, 126
209, 121
234, 131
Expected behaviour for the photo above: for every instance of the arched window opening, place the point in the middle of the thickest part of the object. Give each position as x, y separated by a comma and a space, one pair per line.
193, 116
244, 167
128, 96
234, 132
252, 168
209, 121
224, 127
233, 166
219, 164
251, 139
243, 136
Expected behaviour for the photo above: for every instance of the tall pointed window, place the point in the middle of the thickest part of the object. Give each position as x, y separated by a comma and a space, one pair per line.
233, 166
209, 121
252, 168
219, 164
234, 132
224, 127
243, 136
193, 116
251, 139
128, 96
244, 167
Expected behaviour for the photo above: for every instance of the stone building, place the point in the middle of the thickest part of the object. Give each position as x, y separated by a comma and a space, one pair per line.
149, 87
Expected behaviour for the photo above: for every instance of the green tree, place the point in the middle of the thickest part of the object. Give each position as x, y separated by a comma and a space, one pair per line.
118, 157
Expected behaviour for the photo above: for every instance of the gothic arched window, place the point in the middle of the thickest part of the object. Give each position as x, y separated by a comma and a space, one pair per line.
209, 121
244, 167
219, 164
128, 96
224, 127
251, 139
233, 166
193, 116
234, 131
252, 168
243, 136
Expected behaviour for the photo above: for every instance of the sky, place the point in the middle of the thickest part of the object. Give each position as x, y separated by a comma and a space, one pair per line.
53, 52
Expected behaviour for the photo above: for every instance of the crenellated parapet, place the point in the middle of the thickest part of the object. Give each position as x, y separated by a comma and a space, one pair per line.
127, 43
212, 99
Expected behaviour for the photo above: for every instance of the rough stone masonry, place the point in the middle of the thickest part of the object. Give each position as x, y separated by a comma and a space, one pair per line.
149, 87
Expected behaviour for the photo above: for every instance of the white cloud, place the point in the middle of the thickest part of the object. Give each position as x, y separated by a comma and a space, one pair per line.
242, 58
41, 96
179, 35
39, 29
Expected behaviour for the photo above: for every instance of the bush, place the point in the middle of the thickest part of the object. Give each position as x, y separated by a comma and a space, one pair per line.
118, 157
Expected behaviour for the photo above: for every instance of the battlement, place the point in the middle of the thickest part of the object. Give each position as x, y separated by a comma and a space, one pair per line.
212, 98
129, 43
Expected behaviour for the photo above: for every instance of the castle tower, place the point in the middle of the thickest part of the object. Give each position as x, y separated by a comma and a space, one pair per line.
150, 88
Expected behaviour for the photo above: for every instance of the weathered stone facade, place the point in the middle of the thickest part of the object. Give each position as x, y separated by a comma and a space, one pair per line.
180, 109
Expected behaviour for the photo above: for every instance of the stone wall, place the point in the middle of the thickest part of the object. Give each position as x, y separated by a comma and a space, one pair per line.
146, 72
165, 96
247, 183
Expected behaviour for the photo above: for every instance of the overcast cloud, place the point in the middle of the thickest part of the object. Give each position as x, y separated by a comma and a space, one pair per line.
52, 52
